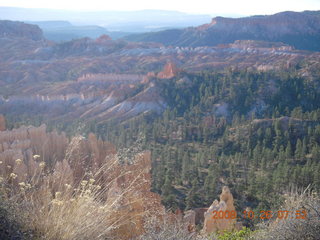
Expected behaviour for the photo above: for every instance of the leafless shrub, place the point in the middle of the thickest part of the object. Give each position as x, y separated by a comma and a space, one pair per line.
168, 229
293, 228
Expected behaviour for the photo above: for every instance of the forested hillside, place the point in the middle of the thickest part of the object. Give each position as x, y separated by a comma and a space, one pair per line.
257, 132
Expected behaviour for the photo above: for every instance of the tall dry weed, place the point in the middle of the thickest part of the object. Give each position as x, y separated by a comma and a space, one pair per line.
58, 203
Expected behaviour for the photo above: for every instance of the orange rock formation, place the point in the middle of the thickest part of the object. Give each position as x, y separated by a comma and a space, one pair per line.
220, 224
170, 70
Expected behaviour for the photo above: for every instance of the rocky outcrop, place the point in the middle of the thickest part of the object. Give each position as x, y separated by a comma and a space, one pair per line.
214, 224
2, 123
103, 38
170, 70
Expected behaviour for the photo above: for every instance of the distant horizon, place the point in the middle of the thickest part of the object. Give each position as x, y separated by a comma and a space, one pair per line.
230, 15
202, 7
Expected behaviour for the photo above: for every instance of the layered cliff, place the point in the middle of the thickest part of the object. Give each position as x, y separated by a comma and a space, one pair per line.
299, 29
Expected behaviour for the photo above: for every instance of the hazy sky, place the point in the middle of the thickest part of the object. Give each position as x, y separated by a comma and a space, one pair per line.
243, 7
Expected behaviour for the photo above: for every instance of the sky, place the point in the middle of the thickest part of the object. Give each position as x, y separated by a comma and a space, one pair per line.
241, 7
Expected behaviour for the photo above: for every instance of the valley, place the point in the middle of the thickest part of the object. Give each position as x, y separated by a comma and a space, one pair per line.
144, 132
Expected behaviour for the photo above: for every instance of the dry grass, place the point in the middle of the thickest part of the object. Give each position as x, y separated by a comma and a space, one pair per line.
168, 229
52, 205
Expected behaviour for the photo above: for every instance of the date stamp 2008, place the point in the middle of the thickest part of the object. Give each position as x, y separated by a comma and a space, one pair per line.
263, 215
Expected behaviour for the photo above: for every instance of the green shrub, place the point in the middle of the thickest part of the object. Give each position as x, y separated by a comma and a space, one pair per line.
244, 233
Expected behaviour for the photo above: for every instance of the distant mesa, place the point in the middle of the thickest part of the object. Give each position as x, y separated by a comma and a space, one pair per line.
298, 29
14, 29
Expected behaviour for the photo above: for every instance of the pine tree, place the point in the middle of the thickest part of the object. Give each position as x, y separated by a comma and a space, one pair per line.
289, 150
299, 149
168, 196
210, 184
193, 199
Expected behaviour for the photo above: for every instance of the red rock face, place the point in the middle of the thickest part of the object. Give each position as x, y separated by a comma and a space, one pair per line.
103, 38
170, 70
2, 123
